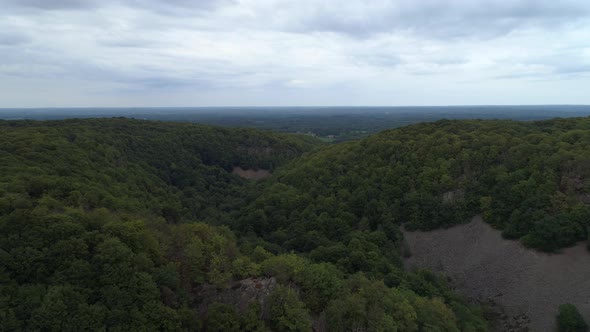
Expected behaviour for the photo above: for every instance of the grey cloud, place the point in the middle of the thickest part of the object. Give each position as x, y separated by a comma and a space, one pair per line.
52, 4
130, 42
147, 83
142, 47
551, 68
449, 60
161, 6
182, 3
573, 69
439, 19
159, 83
378, 58
202, 75
566, 62
180, 8
12, 39
442, 19
521, 76
381, 60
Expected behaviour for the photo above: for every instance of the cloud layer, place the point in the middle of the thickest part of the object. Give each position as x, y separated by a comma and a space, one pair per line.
282, 52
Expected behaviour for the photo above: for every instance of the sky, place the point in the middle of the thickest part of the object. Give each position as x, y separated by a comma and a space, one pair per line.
139, 53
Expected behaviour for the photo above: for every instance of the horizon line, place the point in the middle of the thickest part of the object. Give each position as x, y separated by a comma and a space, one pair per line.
283, 106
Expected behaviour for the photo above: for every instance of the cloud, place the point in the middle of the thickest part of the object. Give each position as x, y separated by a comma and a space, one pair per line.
436, 18
52, 4
187, 4
575, 69
13, 38
169, 6
130, 42
306, 51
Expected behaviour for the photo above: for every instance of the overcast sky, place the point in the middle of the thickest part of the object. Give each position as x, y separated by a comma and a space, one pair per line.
56, 53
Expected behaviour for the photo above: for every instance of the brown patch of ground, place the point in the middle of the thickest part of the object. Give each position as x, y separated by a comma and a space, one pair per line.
523, 286
251, 174
239, 294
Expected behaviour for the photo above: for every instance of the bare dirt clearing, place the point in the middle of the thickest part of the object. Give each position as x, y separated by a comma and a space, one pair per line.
521, 283
251, 174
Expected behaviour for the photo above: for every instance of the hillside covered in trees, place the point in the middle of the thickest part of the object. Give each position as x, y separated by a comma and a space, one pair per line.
119, 224
529, 179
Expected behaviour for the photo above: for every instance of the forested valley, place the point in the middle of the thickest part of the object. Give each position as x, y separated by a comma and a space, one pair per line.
128, 225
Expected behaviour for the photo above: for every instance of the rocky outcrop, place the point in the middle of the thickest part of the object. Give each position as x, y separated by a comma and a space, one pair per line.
502, 321
453, 196
240, 294
523, 286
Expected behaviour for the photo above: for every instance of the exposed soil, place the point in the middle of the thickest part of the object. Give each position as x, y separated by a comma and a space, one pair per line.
240, 294
252, 174
522, 286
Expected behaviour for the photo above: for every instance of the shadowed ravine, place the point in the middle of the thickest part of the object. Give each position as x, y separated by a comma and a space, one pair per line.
523, 283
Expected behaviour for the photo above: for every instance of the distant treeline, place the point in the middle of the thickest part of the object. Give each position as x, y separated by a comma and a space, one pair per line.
334, 124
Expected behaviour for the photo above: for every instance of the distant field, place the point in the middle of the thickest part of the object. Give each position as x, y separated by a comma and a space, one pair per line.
331, 124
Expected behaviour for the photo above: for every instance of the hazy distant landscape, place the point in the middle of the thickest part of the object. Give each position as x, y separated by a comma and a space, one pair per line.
332, 124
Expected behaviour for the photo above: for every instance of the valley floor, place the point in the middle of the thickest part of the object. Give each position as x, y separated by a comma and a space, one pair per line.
524, 286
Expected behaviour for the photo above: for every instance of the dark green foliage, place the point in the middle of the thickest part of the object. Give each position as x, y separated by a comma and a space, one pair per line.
531, 180
178, 171
319, 284
287, 312
251, 320
222, 318
115, 224
92, 277
371, 306
92, 212
570, 320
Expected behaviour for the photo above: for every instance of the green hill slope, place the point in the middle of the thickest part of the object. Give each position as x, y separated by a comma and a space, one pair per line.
99, 219
122, 224
532, 180
175, 170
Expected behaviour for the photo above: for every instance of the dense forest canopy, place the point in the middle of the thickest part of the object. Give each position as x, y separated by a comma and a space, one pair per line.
122, 224
529, 179
175, 170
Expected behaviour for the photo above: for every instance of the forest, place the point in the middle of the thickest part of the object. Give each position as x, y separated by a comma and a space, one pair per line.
129, 225
529, 179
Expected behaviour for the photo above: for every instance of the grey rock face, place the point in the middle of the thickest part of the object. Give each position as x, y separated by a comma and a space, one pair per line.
239, 295
524, 287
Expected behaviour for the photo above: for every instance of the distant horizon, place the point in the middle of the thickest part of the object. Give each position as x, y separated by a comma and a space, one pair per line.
233, 114
294, 106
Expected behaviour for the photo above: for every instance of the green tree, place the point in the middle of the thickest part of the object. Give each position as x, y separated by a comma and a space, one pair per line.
222, 318
569, 319
319, 284
251, 320
286, 311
